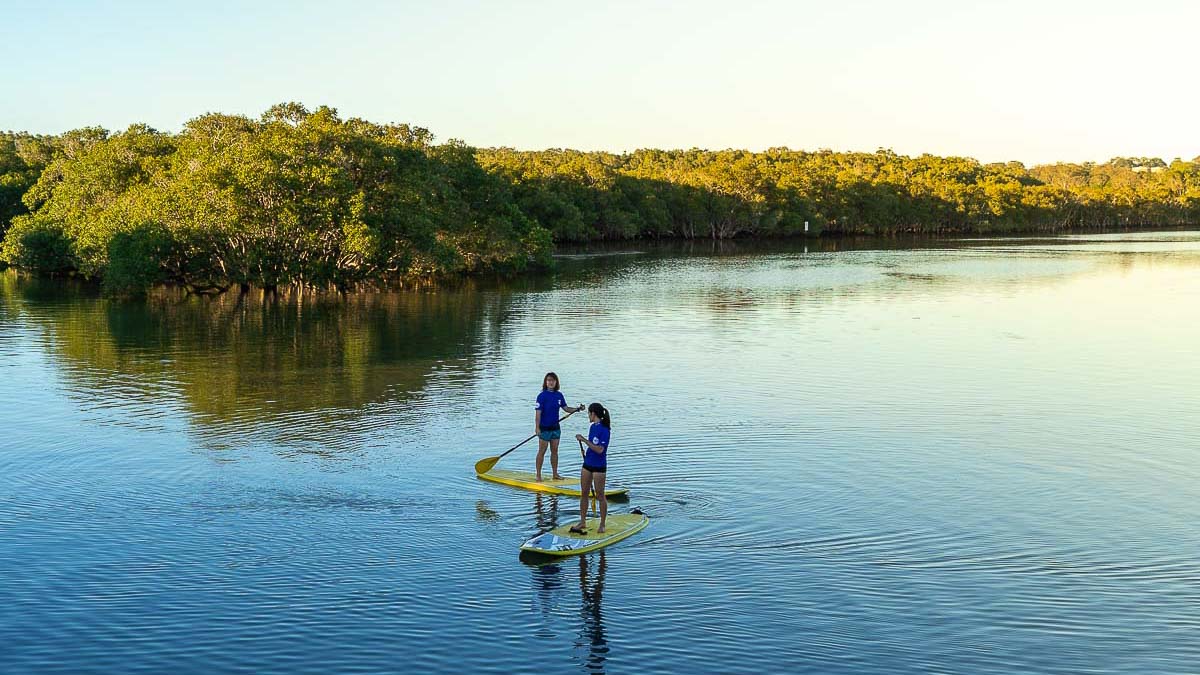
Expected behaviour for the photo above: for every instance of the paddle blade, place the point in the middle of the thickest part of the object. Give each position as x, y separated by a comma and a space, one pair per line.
485, 465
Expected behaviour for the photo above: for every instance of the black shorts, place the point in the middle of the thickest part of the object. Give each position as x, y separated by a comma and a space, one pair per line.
594, 469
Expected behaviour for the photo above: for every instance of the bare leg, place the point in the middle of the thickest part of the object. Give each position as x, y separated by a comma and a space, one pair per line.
585, 484
598, 483
540, 457
554, 459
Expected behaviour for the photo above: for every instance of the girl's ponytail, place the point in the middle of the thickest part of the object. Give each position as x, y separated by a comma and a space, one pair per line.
601, 412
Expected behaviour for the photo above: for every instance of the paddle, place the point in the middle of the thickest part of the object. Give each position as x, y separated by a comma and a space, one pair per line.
591, 488
485, 465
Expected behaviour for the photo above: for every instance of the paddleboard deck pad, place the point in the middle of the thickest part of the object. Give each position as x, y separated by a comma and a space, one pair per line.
528, 480
561, 541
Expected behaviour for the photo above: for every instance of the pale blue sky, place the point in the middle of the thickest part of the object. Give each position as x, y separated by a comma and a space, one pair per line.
1033, 81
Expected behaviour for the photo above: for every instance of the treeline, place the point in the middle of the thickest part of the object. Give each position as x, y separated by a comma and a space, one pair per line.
306, 198
697, 193
296, 197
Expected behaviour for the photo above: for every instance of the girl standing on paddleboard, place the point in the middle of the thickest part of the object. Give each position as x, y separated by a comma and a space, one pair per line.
545, 422
595, 465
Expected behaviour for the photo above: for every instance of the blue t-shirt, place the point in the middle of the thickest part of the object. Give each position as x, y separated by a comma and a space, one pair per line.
598, 434
549, 402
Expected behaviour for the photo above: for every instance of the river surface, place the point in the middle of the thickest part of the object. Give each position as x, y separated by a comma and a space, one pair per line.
971, 456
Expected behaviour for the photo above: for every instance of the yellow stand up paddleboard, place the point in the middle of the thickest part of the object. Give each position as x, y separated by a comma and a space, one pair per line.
528, 480
561, 541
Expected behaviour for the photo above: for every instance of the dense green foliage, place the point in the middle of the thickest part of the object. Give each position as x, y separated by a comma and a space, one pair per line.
306, 198
696, 193
22, 159
294, 198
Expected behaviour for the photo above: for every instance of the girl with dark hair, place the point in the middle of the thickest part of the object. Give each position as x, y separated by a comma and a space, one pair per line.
545, 422
595, 465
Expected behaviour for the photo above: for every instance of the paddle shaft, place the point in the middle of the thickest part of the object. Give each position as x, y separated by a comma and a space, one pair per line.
531, 437
591, 487
485, 465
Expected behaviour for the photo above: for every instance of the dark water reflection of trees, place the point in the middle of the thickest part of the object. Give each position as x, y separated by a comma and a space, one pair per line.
274, 355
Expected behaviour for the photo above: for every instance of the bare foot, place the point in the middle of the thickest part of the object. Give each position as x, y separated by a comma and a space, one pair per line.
559, 478
600, 529
538, 479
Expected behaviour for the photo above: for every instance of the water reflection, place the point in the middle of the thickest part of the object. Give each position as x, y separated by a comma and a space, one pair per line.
484, 513
545, 509
549, 585
592, 635
548, 582
294, 362
317, 373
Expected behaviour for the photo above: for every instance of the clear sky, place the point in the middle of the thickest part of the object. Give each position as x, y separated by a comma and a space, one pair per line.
1035, 81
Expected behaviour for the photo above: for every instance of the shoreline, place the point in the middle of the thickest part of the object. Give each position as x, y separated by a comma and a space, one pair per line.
574, 252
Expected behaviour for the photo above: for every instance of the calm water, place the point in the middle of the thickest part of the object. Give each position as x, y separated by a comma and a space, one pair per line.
978, 457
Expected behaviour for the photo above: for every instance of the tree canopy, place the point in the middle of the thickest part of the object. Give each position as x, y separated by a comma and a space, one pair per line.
295, 197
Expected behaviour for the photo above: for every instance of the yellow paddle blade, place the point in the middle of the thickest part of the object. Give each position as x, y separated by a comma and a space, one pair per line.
485, 465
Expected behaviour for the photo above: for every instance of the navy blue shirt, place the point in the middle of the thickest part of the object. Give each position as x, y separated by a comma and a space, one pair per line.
598, 434
549, 402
